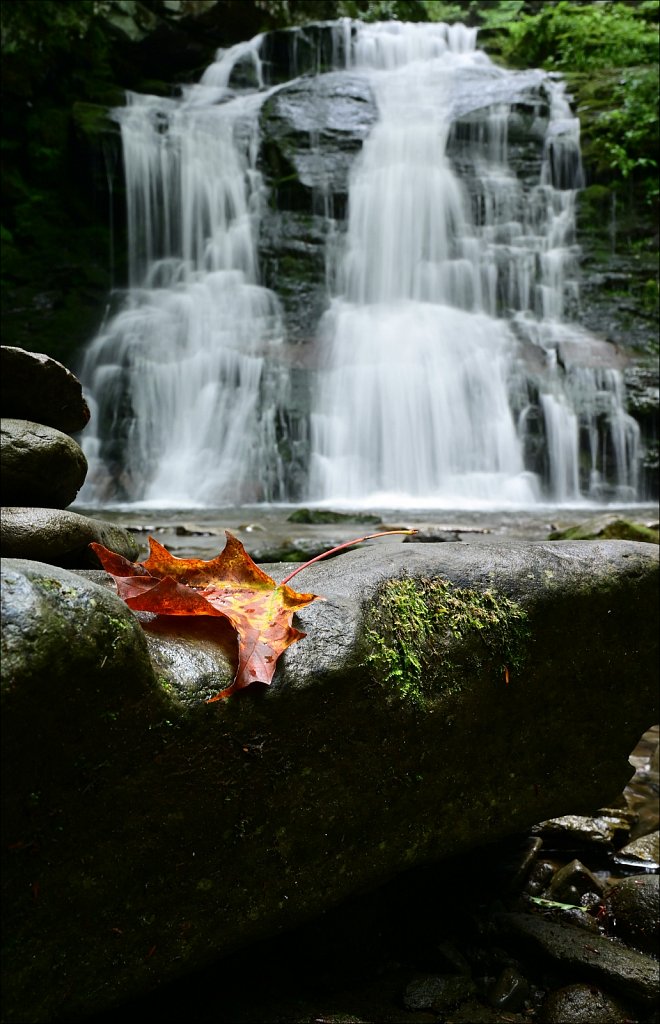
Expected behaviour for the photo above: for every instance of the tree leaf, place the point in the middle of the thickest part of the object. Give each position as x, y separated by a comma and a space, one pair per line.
231, 586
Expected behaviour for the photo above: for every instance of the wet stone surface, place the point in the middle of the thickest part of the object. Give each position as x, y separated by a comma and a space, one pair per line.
476, 940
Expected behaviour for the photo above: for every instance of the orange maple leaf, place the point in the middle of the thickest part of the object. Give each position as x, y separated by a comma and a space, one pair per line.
231, 586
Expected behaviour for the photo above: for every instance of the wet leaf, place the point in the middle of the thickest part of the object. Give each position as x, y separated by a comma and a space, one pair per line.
231, 586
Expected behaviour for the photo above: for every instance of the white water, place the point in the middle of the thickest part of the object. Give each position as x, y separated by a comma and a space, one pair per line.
188, 348
416, 397
445, 282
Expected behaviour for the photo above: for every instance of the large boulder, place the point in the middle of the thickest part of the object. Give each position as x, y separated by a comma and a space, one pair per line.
38, 388
60, 537
40, 465
444, 696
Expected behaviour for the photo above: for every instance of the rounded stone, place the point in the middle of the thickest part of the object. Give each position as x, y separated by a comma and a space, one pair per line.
582, 1004
63, 632
74, 667
40, 465
633, 905
36, 387
60, 537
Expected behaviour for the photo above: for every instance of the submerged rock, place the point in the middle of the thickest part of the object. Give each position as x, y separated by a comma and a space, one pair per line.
40, 465
149, 833
60, 537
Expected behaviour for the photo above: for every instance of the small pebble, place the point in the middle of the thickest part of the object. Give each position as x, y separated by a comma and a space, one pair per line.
510, 990
438, 992
539, 878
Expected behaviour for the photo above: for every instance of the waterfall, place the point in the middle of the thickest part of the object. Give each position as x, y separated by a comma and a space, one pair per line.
413, 402
437, 280
448, 368
184, 397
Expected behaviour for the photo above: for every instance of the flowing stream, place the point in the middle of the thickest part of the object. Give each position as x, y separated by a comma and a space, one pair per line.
451, 369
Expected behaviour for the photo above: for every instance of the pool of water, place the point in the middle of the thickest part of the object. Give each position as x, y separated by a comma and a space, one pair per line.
199, 531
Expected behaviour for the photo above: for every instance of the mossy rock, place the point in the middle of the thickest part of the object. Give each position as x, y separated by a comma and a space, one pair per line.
322, 515
165, 832
610, 529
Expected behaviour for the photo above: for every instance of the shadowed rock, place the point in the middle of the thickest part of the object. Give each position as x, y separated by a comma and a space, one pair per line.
37, 387
40, 465
445, 696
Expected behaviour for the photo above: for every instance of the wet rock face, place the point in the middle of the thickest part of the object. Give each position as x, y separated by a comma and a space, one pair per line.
634, 908
630, 974
40, 465
312, 131
206, 826
314, 128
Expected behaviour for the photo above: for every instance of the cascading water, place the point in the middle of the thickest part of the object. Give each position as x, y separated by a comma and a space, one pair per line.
184, 400
417, 400
448, 369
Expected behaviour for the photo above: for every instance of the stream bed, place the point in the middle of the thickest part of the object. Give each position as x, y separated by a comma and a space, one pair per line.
273, 533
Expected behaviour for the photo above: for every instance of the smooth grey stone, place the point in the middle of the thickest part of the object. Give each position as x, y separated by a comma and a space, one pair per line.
60, 537
41, 466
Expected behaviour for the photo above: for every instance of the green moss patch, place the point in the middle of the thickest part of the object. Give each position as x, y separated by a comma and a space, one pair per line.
324, 515
426, 635
615, 529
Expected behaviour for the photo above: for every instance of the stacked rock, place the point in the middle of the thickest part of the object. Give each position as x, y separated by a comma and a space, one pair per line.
43, 467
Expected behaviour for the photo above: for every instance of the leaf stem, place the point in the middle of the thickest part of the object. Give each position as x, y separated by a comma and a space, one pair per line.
340, 547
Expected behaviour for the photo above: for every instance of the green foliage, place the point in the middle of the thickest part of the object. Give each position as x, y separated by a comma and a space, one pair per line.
610, 52
496, 14
628, 131
443, 10
574, 36
284, 13
44, 24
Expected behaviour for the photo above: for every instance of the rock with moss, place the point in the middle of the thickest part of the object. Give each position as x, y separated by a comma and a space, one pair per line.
609, 527
60, 537
444, 696
74, 659
315, 516
40, 465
